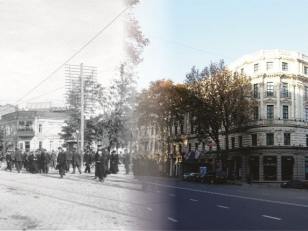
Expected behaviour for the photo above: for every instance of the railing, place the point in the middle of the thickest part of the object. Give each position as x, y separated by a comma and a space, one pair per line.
270, 94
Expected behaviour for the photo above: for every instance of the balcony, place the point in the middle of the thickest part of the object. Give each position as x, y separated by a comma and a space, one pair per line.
285, 95
25, 132
269, 94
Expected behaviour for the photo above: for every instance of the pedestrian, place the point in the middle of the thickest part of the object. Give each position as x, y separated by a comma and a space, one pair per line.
38, 158
18, 159
8, 158
45, 160
13, 159
33, 165
53, 159
100, 170
61, 160
114, 163
68, 159
76, 160
126, 161
87, 160
25, 159
1, 158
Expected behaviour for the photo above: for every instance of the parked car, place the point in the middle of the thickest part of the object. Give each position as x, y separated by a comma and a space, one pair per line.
191, 177
214, 177
295, 184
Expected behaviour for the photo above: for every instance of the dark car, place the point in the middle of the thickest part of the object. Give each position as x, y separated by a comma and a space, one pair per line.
214, 177
295, 184
191, 177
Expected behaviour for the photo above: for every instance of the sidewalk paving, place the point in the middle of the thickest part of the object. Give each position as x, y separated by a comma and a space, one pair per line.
76, 202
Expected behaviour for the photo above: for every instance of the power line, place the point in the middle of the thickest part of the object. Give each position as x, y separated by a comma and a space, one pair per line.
74, 54
193, 48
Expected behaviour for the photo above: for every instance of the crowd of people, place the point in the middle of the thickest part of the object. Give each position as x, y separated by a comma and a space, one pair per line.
40, 161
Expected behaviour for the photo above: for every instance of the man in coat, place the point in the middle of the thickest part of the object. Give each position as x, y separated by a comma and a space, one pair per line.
88, 160
61, 159
76, 161
38, 157
45, 160
8, 158
18, 159
69, 158
13, 159
53, 159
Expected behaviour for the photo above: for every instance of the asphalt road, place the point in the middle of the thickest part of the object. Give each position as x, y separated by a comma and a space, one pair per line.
196, 206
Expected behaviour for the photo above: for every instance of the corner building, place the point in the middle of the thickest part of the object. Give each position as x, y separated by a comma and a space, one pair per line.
275, 145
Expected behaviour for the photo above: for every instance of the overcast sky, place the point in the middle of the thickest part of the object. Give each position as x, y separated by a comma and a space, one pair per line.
184, 33
38, 36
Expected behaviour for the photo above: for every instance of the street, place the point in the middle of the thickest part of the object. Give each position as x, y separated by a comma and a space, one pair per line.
46, 202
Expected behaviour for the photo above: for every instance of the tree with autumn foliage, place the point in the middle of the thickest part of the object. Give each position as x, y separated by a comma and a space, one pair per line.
221, 103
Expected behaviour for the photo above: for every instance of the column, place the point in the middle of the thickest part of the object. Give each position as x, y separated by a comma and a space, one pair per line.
261, 167
297, 92
296, 166
245, 167
292, 116
262, 100
278, 113
279, 169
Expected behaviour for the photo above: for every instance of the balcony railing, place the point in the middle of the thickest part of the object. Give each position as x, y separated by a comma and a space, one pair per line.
25, 132
270, 94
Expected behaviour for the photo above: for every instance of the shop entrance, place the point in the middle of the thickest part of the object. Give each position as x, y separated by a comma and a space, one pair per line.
287, 167
270, 167
254, 167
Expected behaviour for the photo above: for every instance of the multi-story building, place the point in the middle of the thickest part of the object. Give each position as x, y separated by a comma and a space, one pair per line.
34, 129
275, 145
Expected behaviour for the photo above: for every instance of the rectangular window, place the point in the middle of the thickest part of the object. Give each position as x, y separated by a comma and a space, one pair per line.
270, 139
40, 145
256, 113
255, 91
270, 111
27, 145
256, 67
232, 142
175, 130
270, 89
170, 131
269, 66
285, 112
182, 129
196, 146
21, 146
40, 128
254, 140
189, 147
284, 66
240, 141
284, 92
287, 139
306, 114
305, 70
305, 93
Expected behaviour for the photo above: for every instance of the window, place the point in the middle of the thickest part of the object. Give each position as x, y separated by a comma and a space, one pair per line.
307, 140
284, 66
182, 129
270, 89
305, 93
305, 70
254, 140
40, 128
285, 112
255, 91
191, 128
306, 114
256, 67
270, 139
287, 139
242, 71
175, 130
21, 146
240, 141
170, 131
40, 145
232, 142
196, 146
270, 111
189, 147
269, 66
284, 92
256, 113
27, 145
174, 149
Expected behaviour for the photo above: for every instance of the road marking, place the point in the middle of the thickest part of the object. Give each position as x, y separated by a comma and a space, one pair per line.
171, 219
224, 207
230, 195
275, 218
172, 195
149, 209
193, 200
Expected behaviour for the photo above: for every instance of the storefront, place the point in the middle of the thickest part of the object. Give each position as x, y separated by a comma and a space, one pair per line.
270, 168
254, 167
287, 163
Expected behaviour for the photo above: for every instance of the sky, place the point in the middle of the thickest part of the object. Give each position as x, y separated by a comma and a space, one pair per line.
38, 36
187, 33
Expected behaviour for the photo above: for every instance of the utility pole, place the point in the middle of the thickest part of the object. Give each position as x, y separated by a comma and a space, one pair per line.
82, 114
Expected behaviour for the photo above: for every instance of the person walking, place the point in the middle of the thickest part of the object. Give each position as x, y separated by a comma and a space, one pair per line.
45, 160
25, 159
61, 160
87, 160
13, 159
53, 159
39, 163
1, 158
76, 160
126, 162
100, 170
8, 158
68, 159
33, 166
18, 160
